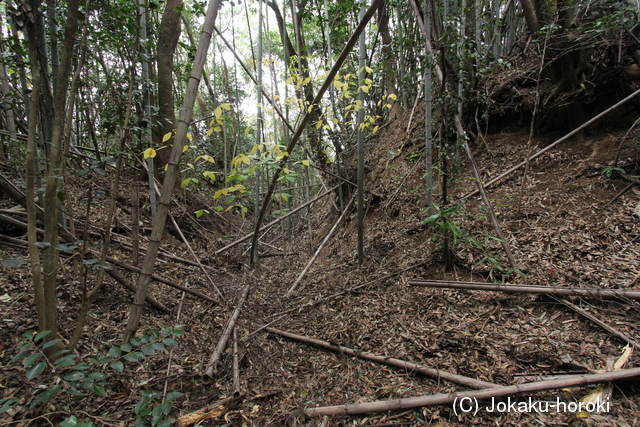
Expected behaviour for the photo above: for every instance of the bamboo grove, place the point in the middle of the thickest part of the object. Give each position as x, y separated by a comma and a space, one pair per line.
264, 106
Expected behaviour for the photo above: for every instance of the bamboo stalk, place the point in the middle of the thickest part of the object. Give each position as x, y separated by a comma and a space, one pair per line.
529, 289
472, 395
389, 361
212, 367
161, 279
324, 242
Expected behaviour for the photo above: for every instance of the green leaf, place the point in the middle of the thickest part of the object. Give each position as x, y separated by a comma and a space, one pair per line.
170, 342
97, 376
81, 366
51, 343
74, 376
29, 361
115, 351
41, 335
13, 262
117, 366
156, 415
133, 357
7, 403
72, 421
126, 347
173, 396
99, 390
18, 357
148, 350
65, 361
46, 395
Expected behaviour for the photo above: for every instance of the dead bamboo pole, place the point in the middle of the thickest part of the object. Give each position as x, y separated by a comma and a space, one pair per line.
554, 144
389, 361
275, 221
472, 395
127, 284
161, 279
530, 289
212, 367
324, 242
600, 323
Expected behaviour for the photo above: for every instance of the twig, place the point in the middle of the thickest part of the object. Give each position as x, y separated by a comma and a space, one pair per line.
186, 242
390, 361
472, 395
212, 367
324, 242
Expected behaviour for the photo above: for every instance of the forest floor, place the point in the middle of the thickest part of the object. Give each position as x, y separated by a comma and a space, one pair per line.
567, 233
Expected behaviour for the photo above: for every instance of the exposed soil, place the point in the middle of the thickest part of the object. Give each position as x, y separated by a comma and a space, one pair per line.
567, 233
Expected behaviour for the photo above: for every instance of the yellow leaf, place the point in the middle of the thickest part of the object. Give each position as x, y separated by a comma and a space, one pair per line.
185, 182
189, 136
319, 124
375, 129
392, 96
310, 108
225, 106
217, 129
335, 121
289, 80
306, 163
167, 137
208, 158
185, 148
368, 69
149, 152
365, 89
247, 130
218, 112
209, 131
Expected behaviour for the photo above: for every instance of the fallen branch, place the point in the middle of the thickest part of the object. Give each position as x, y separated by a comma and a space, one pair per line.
212, 367
324, 242
127, 284
473, 395
215, 410
528, 289
390, 361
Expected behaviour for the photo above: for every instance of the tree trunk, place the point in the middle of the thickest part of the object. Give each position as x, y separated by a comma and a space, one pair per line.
168, 36
388, 60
